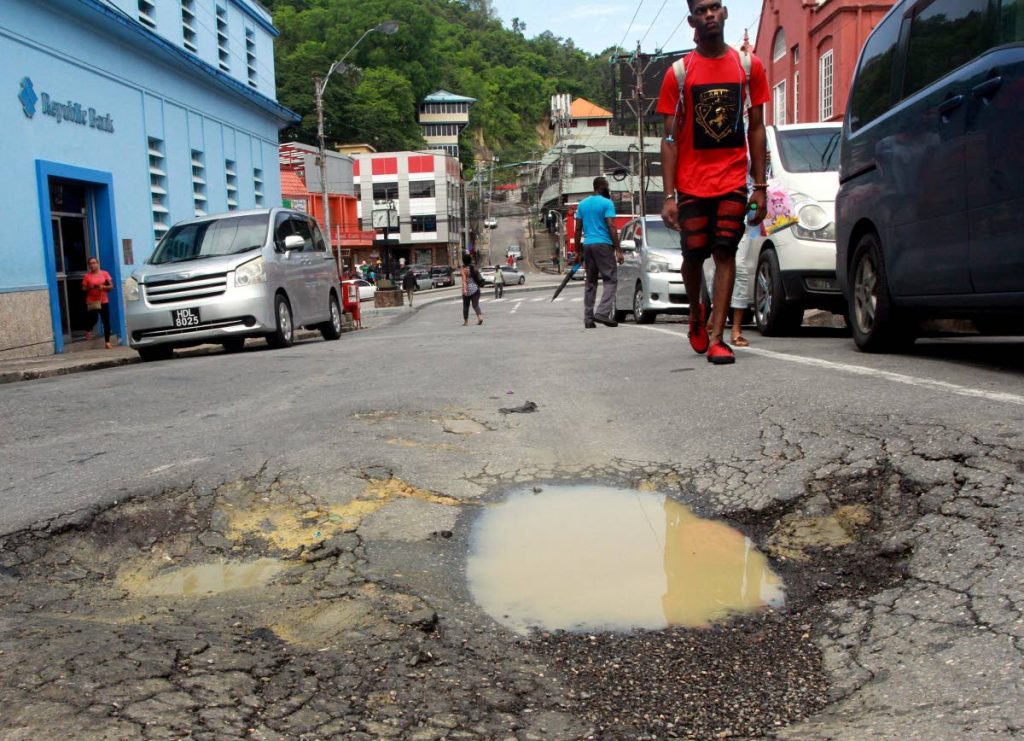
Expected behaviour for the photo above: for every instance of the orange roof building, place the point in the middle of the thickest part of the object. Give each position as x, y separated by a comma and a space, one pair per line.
586, 115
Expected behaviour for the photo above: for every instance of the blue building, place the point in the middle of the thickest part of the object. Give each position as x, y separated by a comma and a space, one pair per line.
119, 118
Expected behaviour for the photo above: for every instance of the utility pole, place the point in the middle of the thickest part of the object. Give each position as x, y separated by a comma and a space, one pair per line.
640, 106
319, 83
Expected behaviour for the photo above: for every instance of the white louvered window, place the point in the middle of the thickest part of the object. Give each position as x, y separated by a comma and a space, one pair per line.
779, 103
223, 51
250, 56
257, 183
198, 182
825, 86
147, 13
157, 187
231, 177
188, 25
779, 45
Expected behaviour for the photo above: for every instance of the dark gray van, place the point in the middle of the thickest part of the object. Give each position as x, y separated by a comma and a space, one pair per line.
930, 209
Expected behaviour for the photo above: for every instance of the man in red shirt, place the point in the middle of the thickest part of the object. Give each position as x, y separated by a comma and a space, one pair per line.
704, 164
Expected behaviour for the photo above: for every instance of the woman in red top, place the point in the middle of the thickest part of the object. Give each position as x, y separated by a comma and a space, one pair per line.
96, 284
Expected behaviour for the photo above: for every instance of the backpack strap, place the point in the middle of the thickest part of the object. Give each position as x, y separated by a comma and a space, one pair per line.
679, 70
746, 62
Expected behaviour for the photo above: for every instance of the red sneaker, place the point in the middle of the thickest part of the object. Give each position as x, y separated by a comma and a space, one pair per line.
721, 354
698, 334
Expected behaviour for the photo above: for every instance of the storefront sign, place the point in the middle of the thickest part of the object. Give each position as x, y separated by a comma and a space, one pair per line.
70, 111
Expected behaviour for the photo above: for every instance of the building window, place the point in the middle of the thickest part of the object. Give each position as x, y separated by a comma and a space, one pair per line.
825, 86
199, 182
779, 45
250, 55
357, 190
421, 224
147, 11
157, 187
796, 97
779, 103
222, 38
384, 192
188, 24
421, 189
257, 185
231, 177
796, 54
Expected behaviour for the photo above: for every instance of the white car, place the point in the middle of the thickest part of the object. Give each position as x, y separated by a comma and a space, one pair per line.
650, 281
795, 267
515, 251
366, 289
491, 223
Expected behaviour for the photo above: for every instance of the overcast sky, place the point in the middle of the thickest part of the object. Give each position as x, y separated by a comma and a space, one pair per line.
594, 25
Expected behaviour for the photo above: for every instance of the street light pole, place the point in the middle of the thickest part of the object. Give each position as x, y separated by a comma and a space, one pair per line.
319, 85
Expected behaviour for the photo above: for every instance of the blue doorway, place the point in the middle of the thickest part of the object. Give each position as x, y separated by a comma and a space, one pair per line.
76, 209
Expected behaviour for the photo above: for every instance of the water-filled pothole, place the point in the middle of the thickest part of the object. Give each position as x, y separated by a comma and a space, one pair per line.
599, 558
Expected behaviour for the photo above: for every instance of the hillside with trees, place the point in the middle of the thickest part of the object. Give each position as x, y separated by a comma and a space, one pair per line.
458, 45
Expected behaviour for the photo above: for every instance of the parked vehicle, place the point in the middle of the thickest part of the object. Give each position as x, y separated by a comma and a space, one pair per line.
224, 277
487, 273
423, 279
442, 276
649, 279
930, 209
794, 268
512, 275
490, 223
366, 289
515, 251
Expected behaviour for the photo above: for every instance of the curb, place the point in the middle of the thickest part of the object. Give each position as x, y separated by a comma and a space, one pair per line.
33, 374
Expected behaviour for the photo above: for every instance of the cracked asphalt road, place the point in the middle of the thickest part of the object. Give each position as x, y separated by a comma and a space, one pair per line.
891, 508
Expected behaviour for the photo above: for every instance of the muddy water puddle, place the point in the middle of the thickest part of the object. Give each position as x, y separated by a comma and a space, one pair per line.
599, 558
207, 579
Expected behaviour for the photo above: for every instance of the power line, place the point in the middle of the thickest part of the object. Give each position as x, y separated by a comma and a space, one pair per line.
656, 16
674, 31
630, 26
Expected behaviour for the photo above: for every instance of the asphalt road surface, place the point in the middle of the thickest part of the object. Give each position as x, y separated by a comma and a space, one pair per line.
909, 624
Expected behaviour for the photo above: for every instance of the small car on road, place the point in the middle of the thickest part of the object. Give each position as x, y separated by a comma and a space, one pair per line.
225, 277
514, 251
424, 281
649, 279
512, 276
442, 276
366, 289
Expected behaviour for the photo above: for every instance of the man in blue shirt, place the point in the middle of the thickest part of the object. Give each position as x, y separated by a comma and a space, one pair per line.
597, 247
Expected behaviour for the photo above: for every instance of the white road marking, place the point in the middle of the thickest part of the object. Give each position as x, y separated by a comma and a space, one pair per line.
577, 299
860, 370
535, 300
514, 308
560, 298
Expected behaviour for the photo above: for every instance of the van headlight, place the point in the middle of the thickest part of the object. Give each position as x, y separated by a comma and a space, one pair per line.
250, 273
813, 223
657, 263
131, 289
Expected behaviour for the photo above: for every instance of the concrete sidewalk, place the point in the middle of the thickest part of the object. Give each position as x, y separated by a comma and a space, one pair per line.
78, 361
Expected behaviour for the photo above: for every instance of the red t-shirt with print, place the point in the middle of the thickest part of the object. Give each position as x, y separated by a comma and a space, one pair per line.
92, 282
711, 144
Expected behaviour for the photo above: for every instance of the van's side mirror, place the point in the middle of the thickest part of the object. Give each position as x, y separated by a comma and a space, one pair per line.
293, 243
628, 245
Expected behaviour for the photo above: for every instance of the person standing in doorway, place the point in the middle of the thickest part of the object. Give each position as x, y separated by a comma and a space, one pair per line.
471, 286
96, 284
409, 284
704, 156
597, 247
499, 282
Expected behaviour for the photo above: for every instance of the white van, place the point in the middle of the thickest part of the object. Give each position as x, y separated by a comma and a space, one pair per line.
225, 277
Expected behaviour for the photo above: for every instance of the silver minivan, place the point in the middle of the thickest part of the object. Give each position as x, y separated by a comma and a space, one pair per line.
224, 277
649, 279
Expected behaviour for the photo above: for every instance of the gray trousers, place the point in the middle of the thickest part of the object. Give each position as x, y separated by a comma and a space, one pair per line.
599, 260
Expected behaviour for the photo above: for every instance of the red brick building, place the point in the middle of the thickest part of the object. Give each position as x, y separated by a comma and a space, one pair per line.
810, 49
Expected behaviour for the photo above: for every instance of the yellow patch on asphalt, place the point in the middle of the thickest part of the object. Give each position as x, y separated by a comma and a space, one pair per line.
795, 535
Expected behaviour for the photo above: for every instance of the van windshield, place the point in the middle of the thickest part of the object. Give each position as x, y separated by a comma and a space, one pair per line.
810, 150
214, 238
660, 237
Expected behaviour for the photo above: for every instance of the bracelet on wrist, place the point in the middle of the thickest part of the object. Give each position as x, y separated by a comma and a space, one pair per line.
760, 186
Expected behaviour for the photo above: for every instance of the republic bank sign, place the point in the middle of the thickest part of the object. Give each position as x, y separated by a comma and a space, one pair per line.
69, 111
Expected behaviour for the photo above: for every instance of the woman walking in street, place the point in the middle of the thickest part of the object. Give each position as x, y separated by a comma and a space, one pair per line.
471, 283
96, 284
